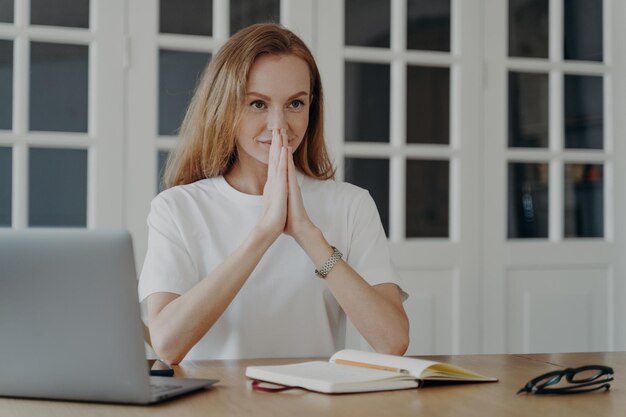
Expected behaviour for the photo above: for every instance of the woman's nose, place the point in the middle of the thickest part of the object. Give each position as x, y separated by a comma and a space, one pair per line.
276, 120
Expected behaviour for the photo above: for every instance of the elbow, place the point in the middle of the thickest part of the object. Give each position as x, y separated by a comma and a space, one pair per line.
403, 347
397, 343
396, 347
171, 358
168, 352
399, 346
400, 343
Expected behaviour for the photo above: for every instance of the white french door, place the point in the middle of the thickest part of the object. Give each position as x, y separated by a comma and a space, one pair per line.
553, 243
61, 114
402, 81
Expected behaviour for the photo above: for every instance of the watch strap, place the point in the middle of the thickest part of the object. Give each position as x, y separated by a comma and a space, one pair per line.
330, 263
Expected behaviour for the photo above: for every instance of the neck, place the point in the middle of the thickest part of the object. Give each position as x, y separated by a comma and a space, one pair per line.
248, 178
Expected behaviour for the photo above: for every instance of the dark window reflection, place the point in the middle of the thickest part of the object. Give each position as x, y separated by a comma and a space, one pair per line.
245, 13
6, 11
528, 200
528, 110
179, 73
428, 105
582, 30
367, 23
584, 200
59, 87
71, 13
427, 198
528, 28
162, 161
6, 179
373, 175
6, 84
189, 17
367, 102
57, 187
428, 26
584, 111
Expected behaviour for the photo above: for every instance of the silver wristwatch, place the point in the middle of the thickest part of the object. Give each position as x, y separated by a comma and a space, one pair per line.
330, 263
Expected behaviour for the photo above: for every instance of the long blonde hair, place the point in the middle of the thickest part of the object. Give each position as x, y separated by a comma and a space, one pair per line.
207, 140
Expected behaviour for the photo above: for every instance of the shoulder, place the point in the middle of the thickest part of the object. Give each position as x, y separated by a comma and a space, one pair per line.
184, 193
183, 199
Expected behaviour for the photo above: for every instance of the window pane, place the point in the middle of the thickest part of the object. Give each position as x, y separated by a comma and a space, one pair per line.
584, 112
162, 161
6, 11
245, 13
428, 26
57, 187
6, 84
367, 102
528, 28
6, 178
584, 200
582, 30
373, 175
59, 86
528, 200
428, 105
528, 110
179, 73
427, 198
190, 17
74, 13
367, 23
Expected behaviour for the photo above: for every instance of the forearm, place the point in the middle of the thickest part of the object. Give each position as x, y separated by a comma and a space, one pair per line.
184, 321
384, 325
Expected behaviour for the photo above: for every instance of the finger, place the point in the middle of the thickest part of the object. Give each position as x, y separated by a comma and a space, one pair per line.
291, 171
295, 195
282, 165
295, 204
274, 156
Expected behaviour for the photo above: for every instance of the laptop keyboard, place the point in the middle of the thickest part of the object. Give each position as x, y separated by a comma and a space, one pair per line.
160, 389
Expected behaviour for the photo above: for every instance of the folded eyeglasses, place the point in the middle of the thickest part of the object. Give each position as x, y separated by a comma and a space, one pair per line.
583, 379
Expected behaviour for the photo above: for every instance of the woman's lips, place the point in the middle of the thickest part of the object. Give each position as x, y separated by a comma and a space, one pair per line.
269, 141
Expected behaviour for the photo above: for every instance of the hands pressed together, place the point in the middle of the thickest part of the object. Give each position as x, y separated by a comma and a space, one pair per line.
283, 208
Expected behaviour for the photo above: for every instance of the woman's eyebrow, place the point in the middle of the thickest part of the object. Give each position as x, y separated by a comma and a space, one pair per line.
299, 94
267, 98
254, 93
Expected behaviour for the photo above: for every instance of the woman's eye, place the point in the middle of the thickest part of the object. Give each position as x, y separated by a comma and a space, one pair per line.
257, 104
296, 104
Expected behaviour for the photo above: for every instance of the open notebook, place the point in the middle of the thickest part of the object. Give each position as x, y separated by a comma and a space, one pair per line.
358, 371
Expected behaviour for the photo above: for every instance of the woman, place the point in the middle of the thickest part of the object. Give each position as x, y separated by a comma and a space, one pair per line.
238, 243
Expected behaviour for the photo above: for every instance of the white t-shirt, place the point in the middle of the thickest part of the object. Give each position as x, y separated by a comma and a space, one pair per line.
283, 309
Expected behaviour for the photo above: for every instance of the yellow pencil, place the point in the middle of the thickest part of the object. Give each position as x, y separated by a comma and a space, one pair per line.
371, 366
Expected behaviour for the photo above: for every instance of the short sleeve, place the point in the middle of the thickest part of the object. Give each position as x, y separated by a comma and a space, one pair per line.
369, 249
168, 266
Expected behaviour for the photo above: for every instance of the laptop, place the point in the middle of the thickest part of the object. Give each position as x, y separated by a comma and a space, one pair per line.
70, 326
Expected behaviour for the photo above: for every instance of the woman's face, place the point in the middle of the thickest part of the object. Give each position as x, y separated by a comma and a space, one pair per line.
277, 97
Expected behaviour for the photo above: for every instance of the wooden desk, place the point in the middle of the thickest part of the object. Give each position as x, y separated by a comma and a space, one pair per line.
234, 396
